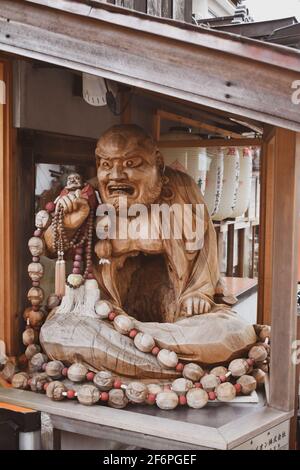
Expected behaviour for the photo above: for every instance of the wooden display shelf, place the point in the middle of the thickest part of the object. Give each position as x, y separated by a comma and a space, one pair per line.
218, 426
239, 286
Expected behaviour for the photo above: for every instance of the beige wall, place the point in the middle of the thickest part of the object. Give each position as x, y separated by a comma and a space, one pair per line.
43, 100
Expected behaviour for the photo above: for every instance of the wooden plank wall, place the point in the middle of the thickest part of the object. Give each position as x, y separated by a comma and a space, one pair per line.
180, 10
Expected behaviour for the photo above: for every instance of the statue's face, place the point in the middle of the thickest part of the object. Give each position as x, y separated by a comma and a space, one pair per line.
74, 182
35, 271
36, 246
35, 295
42, 219
128, 166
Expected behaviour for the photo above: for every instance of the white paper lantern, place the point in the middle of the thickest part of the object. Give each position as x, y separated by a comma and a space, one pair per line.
244, 189
230, 184
191, 160
214, 179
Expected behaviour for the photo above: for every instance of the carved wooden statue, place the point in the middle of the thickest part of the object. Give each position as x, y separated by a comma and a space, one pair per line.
163, 273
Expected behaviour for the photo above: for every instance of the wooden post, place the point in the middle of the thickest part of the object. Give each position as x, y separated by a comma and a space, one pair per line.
220, 237
266, 230
241, 252
156, 127
284, 247
230, 250
8, 218
126, 116
253, 232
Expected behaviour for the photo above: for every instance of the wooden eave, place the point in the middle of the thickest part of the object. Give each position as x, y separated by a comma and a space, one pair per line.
212, 68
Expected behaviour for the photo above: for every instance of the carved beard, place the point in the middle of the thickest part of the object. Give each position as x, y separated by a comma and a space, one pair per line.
147, 198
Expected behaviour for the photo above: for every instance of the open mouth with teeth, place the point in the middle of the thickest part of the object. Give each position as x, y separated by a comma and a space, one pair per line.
120, 189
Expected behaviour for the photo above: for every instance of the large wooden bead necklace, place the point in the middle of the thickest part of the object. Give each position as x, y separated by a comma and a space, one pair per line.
194, 386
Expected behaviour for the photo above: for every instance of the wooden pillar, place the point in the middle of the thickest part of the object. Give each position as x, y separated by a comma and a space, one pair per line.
156, 126
220, 237
8, 218
266, 230
126, 107
241, 252
283, 282
230, 250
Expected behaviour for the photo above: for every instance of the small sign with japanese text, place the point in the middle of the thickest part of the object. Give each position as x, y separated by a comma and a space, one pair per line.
276, 438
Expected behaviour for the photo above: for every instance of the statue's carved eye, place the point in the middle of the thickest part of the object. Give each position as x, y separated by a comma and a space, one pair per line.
132, 162
105, 164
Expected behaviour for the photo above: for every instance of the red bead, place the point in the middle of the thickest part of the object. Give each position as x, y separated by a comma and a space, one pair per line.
167, 388
112, 316
133, 333
76, 270
182, 400
238, 388
70, 394
155, 351
35, 259
79, 250
35, 283
223, 378
45, 386
151, 398
104, 396
76, 264
212, 395
35, 308
50, 207
37, 233
78, 258
198, 385
90, 276
117, 383
179, 367
250, 362
64, 372
90, 269
90, 376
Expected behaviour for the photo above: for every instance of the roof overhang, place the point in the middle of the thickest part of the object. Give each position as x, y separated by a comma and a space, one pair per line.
212, 68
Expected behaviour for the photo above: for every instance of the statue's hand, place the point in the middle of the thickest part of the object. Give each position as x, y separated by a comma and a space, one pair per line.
76, 210
196, 305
